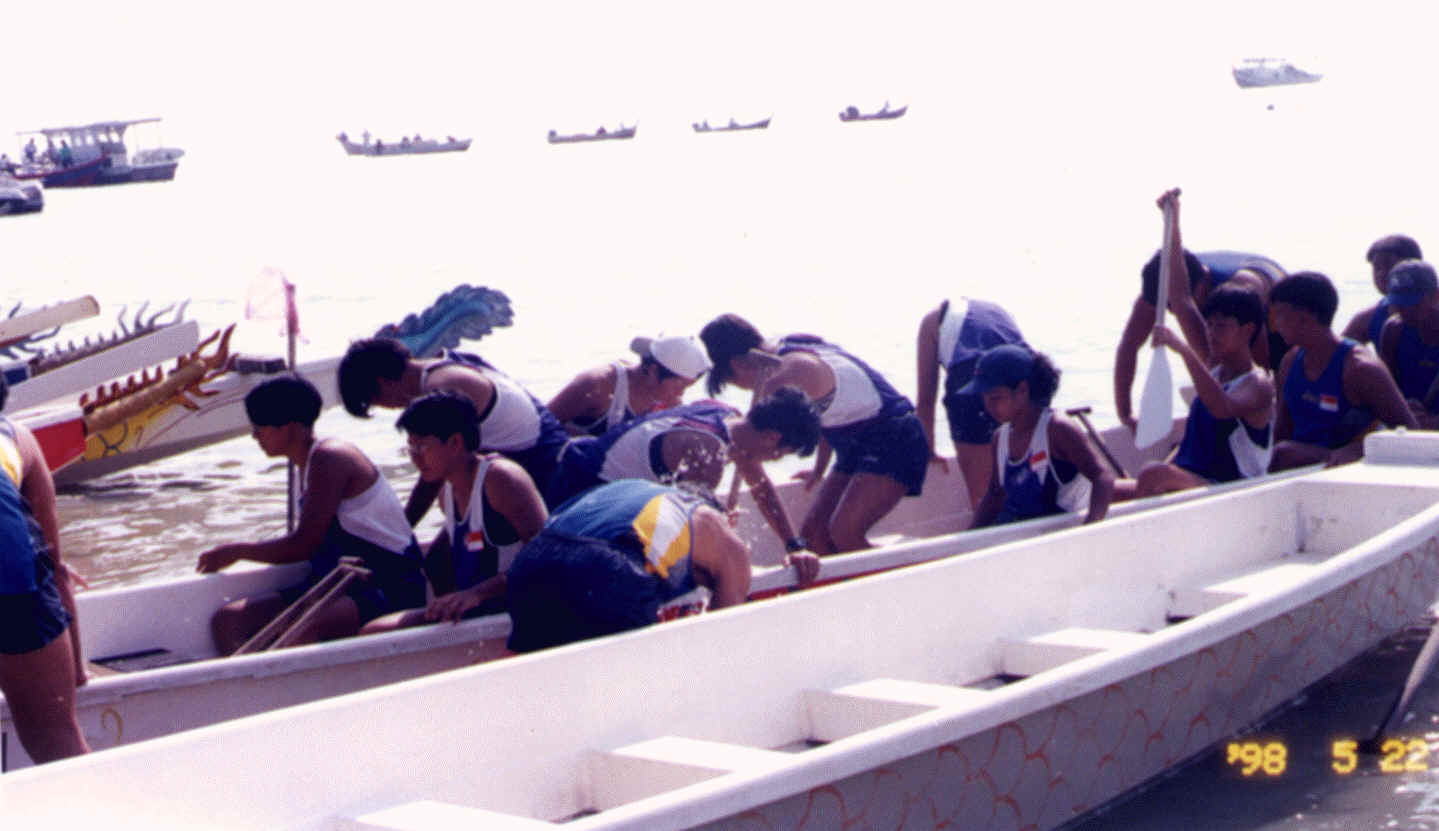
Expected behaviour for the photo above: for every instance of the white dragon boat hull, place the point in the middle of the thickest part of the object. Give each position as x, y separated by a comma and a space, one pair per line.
1138, 642
156, 673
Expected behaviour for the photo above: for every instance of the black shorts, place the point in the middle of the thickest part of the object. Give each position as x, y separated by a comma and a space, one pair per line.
563, 589
969, 422
30, 620
892, 447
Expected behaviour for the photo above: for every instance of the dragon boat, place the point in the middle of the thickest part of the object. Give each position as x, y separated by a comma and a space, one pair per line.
120, 421
404, 147
601, 134
732, 126
1020, 686
154, 675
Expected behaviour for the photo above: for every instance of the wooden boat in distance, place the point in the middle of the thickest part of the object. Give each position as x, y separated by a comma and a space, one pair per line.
155, 674
1099, 658
599, 135
404, 147
853, 113
704, 126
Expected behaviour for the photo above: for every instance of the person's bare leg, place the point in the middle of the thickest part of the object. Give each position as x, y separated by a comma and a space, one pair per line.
815, 528
865, 501
39, 687
976, 462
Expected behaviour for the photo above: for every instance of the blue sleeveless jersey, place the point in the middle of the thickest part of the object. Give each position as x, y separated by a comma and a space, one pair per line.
892, 405
1318, 409
540, 458
23, 553
648, 522
1038, 483
1209, 445
1381, 314
1418, 364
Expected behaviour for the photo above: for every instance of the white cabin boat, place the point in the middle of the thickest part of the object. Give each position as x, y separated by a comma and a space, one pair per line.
1271, 72
1018, 687
102, 142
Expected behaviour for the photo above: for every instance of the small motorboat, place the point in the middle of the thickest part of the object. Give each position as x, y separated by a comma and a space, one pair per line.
1271, 72
599, 135
17, 197
404, 147
853, 114
704, 126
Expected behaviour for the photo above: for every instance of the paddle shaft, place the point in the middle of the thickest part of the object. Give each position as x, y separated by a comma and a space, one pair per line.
1156, 403
1423, 666
21, 326
1082, 413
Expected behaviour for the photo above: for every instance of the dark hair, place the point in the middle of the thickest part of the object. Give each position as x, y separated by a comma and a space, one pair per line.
1242, 304
789, 413
441, 415
1398, 246
284, 399
364, 364
1310, 291
1043, 377
1149, 275
662, 372
726, 337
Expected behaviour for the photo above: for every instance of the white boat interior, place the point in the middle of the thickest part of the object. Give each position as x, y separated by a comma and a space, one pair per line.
1036, 660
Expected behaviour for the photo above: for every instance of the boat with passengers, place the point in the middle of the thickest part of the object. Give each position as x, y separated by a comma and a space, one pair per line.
95, 154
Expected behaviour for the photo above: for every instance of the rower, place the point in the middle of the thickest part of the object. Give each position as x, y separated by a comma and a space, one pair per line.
954, 336
1043, 464
1229, 433
346, 508
382, 372
1207, 271
41, 660
1332, 391
608, 560
600, 399
1409, 343
694, 443
1366, 326
490, 503
878, 442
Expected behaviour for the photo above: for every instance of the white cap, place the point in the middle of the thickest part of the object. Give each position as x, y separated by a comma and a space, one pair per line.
681, 354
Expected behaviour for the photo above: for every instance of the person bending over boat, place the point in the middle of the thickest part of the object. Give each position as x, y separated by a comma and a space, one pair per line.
1332, 391
954, 336
382, 372
1409, 343
1207, 271
41, 662
609, 559
346, 509
1383, 255
489, 503
605, 397
877, 440
1043, 464
693, 443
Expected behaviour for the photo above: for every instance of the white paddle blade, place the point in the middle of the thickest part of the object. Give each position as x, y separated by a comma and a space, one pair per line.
1156, 408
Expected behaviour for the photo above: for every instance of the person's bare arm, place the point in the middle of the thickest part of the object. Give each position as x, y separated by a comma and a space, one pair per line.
927, 376
1181, 300
1126, 358
993, 500
1070, 444
586, 398
327, 476
38, 489
765, 497
512, 493
1244, 401
1358, 328
721, 558
1283, 422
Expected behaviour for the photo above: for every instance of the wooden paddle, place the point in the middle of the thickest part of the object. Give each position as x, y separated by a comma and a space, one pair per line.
289, 624
1156, 406
1082, 413
15, 329
1423, 666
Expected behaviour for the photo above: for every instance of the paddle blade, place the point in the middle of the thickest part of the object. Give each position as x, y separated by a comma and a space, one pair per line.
1156, 408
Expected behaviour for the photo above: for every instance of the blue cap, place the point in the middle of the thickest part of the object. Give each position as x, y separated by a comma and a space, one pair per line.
1002, 366
1409, 282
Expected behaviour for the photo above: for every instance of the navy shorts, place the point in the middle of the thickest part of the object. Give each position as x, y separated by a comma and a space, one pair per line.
30, 620
893, 447
969, 422
564, 589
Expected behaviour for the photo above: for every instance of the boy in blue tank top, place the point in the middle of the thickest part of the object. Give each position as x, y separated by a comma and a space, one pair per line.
490, 504
1409, 343
1383, 255
1332, 391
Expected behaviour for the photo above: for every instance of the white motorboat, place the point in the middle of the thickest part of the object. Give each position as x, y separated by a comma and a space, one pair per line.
95, 154
17, 197
1271, 72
